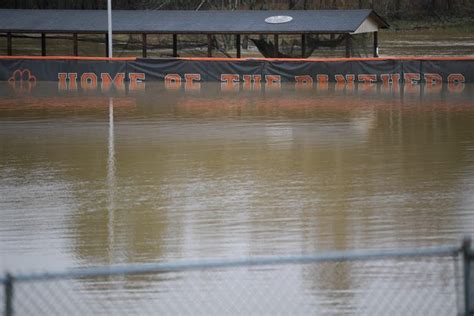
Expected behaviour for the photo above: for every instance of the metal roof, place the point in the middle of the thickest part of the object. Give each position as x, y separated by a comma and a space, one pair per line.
177, 21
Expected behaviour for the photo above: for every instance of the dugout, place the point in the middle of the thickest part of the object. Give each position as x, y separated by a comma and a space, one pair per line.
275, 33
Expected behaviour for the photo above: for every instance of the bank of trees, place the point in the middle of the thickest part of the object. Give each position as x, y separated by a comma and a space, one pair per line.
390, 8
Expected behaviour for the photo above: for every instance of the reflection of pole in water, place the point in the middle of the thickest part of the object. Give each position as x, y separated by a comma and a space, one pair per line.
111, 182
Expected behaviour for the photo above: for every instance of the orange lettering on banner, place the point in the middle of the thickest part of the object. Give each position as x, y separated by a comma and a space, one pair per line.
395, 78
272, 81
192, 82
385, 80
252, 82
456, 83
230, 78
72, 76
136, 81
257, 82
344, 82
412, 78
322, 78
340, 79
386, 83
340, 83
388, 79
323, 82
172, 81
412, 81
88, 81
456, 78
434, 82
433, 79
118, 81
368, 81
303, 82
390, 82
367, 78
350, 79
62, 81
247, 82
229, 82
345, 79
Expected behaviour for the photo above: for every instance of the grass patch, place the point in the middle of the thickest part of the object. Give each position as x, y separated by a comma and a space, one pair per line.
463, 24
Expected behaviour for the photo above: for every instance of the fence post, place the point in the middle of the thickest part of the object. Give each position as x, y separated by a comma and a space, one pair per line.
9, 295
466, 250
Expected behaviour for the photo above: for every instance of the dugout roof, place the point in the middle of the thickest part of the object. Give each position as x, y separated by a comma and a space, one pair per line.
188, 22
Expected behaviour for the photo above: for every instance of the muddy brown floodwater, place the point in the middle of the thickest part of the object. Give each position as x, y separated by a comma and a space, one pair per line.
91, 178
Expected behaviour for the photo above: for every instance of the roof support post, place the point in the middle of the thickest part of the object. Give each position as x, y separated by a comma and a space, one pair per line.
144, 45
376, 44
237, 45
467, 263
303, 45
275, 46
348, 45
74, 44
175, 45
9, 44
107, 45
43, 44
209, 45
9, 295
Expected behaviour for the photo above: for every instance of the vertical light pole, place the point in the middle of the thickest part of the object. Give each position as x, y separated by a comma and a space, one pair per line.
109, 26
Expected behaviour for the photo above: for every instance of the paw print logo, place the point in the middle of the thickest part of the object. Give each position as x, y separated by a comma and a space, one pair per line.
22, 80
21, 75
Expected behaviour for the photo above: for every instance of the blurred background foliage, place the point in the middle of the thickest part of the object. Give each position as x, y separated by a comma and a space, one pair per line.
392, 9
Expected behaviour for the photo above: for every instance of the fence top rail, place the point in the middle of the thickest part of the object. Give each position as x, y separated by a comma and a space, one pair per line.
355, 255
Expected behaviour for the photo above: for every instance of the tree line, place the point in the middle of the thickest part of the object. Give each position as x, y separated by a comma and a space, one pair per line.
388, 8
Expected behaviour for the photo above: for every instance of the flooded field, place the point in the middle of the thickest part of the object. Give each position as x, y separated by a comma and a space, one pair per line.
91, 178
428, 42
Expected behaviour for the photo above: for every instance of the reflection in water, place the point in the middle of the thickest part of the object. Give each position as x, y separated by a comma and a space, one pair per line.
155, 175
111, 182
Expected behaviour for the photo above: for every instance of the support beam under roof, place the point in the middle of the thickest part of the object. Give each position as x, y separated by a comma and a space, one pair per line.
209, 45
237, 45
303, 45
175, 45
75, 45
9, 44
276, 48
43, 44
348, 45
376, 44
144, 45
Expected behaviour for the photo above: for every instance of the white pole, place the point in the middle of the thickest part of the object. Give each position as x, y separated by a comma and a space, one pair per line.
109, 20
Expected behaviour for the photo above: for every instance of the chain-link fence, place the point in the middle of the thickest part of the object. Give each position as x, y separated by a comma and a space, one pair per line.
429, 281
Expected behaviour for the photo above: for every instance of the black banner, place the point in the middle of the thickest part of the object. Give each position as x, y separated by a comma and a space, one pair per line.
92, 73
